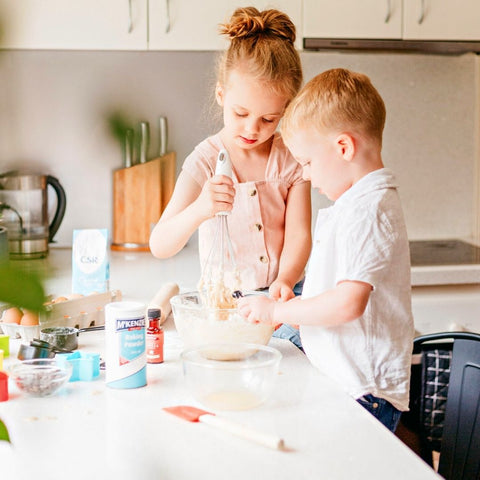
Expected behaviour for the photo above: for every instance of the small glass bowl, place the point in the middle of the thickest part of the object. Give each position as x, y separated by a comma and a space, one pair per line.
41, 377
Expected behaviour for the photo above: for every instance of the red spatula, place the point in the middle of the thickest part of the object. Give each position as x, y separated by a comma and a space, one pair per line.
193, 414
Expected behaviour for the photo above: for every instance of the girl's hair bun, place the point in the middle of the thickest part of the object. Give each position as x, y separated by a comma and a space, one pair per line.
250, 22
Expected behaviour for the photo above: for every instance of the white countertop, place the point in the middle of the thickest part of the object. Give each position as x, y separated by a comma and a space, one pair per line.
89, 430
445, 275
140, 275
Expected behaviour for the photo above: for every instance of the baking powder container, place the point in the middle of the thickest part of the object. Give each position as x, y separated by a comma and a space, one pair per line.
125, 356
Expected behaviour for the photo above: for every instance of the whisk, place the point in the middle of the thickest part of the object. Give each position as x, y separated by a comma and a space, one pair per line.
220, 277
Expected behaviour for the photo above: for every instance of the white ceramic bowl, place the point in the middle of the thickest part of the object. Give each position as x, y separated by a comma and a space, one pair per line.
41, 377
199, 325
244, 381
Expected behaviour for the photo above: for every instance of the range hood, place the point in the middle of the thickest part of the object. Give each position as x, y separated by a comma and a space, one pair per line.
425, 46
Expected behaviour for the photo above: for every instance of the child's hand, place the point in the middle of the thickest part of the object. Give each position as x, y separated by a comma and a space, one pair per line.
279, 290
257, 309
217, 195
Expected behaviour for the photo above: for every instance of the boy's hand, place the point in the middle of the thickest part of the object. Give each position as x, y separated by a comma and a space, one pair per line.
279, 290
257, 309
217, 195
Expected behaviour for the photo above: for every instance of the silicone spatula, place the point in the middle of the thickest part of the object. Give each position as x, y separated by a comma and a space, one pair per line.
193, 414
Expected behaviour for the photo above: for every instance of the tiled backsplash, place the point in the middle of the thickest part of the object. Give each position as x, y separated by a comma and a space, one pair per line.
53, 109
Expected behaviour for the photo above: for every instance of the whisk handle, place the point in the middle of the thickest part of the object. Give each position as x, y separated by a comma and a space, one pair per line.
224, 165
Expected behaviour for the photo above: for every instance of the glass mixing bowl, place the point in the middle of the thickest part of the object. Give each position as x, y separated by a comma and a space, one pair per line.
198, 324
231, 376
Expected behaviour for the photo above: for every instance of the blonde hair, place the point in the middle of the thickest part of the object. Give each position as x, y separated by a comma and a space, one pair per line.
262, 43
337, 99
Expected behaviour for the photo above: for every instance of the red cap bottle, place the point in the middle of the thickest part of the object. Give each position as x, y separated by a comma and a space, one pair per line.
154, 338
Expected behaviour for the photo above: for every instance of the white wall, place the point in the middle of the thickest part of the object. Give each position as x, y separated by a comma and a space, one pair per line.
53, 107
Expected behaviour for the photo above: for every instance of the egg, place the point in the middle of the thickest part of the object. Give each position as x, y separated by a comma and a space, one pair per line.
74, 296
29, 318
60, 299
12, 315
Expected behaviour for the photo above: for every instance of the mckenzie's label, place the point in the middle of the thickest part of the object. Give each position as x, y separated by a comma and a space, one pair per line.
131, 337
125, 345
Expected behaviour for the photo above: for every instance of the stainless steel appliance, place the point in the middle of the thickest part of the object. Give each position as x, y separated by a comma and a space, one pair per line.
24, 212
443, 252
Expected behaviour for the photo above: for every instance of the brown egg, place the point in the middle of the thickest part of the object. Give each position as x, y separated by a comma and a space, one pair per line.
74, 296
60, 299
12, 315
29, 318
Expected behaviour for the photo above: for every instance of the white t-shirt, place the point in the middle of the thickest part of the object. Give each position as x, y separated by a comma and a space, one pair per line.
363, 237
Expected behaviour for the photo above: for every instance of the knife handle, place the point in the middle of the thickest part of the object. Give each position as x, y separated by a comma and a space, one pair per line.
144, 141
163, 136
265, 439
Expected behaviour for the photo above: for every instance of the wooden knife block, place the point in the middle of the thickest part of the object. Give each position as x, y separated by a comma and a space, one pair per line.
140, 194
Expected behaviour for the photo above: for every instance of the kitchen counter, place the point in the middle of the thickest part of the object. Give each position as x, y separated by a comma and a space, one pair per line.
89, 430
442, 299
139, 275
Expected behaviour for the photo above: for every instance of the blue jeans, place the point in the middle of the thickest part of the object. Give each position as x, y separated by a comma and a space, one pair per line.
382, 410
287, 332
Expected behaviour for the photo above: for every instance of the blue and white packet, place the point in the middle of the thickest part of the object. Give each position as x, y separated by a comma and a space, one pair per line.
90, 261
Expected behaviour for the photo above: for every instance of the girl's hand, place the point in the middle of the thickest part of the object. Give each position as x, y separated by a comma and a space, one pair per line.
217, 195
279, 290
257, 309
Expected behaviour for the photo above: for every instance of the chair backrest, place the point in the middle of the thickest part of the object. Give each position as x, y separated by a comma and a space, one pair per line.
460, 443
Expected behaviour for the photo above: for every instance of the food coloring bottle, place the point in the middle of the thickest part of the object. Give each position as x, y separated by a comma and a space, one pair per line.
154, 337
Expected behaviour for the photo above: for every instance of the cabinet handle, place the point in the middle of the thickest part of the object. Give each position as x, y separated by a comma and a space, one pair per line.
389, 11
422, 12
130, 22
167, 11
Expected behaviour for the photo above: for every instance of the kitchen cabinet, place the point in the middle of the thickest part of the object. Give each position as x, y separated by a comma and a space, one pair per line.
187, 25
124, 24
81, 25
447, 20
450, 20
352, 19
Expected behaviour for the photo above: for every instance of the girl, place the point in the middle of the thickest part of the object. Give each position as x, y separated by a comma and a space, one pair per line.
269, 224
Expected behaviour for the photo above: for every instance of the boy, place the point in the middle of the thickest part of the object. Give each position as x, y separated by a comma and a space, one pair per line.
355, 314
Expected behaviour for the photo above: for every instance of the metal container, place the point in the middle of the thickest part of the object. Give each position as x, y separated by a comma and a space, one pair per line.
24, 212
65, 338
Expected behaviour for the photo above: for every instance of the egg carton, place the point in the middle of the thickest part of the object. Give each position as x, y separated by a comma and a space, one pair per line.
82, 312
26, 332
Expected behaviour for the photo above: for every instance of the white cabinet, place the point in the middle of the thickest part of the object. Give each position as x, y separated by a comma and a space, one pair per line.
445, 20
448, 20
193, 25
125, 24
352, 19
74, 24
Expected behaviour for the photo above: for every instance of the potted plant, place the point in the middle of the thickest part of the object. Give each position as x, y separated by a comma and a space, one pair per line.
22, 289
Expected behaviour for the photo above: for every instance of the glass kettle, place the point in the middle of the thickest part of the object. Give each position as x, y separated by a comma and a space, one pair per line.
24, 213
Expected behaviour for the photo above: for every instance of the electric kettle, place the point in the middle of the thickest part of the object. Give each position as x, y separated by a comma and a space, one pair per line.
24, 213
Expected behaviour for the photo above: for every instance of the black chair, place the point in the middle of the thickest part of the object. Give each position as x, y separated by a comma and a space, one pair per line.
445, 402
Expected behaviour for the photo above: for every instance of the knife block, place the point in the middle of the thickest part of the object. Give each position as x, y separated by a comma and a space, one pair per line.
140, 194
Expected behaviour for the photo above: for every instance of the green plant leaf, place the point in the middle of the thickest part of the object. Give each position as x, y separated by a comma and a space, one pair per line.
118, 124
4, 433
20, 288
